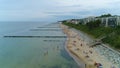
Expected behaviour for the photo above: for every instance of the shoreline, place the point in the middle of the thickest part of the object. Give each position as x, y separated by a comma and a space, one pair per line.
76, 58
76, 51
80, 63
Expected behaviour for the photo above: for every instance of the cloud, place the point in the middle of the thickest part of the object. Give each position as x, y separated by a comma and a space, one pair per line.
81, 5
55, 9
22, 15
85, 8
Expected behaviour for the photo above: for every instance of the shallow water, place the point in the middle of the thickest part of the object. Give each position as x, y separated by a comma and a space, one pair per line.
34, 52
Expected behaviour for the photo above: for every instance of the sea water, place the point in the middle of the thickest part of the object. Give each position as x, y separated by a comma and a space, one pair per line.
33, 52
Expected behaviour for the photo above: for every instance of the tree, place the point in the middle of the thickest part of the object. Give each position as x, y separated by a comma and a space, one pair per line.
94, 24
106, 15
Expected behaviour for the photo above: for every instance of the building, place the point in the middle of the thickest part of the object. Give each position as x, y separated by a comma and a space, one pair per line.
88, 19
73, 21
118, 20
110, 21
81, 21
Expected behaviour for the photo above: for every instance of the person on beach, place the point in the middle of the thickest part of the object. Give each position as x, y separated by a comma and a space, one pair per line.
90, 51
112, 66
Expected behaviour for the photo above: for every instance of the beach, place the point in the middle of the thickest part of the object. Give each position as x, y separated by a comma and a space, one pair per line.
82, 52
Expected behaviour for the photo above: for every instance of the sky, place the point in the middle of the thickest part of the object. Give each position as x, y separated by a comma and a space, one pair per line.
55, 10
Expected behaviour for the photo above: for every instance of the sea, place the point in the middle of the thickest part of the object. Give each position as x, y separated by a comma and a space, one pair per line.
33, 52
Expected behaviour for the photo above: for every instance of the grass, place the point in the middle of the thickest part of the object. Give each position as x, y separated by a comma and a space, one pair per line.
112, 35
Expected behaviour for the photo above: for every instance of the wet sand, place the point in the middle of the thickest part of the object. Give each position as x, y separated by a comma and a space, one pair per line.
82, 53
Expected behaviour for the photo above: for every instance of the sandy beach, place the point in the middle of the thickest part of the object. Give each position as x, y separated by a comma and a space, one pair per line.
82, 52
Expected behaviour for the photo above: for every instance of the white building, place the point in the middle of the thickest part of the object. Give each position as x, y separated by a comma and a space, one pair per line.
110, 21
88, 19
118, 20
73, 21
105, 21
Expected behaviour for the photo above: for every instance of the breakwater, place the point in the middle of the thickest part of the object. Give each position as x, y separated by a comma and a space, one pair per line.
45, 29
35, 36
